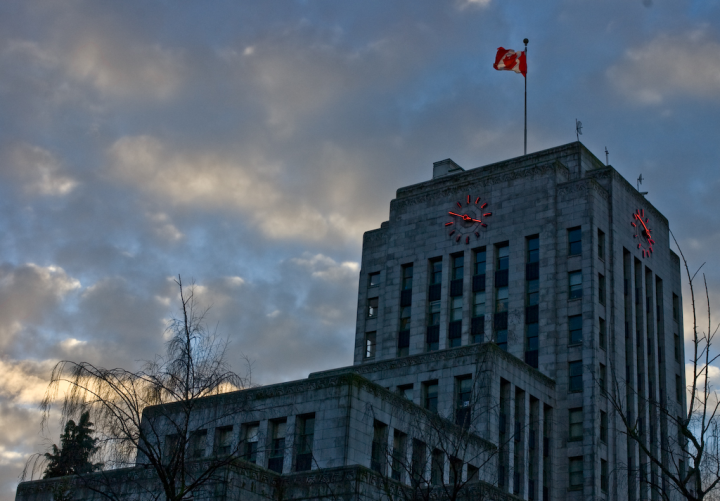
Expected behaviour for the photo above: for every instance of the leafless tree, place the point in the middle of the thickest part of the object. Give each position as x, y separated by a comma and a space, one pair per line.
158, 418
686, 463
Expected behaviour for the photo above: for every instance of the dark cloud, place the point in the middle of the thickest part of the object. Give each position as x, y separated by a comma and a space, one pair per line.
249, 147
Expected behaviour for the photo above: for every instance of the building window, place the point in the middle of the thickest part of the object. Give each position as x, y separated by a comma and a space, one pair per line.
407, 277
676, 308
604, 475
603, 334
463, 395
172, 447
374, 279
277, 445
372, 307
378, 454
533, 292
456, 307
405, 313
197, 444
436, 272
576, 424
406, 391
601, 244
501, 300
574, 242
576, 473
575, 326
575, 282
399, 453
576, 383
419, 461
533, 250
437, 462
250, 442
603, 426
678, 388
458, 267
602, 378
479, 304
403, 343
306, 436
532, 337
430, 396
432, 340
223, 440
601, 288
677, 348
480, 257
370, 344
434, 313
503, 257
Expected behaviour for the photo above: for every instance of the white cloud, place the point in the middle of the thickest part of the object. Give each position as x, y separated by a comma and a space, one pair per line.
40, 171
463, 4
126, 69
29, 293
212, 181
326, 268
24, 382
686, 65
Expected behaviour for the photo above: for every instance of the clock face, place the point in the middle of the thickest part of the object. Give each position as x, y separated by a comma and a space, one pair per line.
643, 235
467, 218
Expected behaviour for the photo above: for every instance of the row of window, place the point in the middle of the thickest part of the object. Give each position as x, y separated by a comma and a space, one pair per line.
429, 397
478, 300
421, 456
247, 448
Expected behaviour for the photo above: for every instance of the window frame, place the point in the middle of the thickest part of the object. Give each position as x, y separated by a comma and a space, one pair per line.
575, 291
373, 283
430, 401
373, 305
577, 249
571, 330
577, 462
370, 345
575, 428
573, 386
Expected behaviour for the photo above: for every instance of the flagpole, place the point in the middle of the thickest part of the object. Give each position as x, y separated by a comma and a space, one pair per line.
526, 42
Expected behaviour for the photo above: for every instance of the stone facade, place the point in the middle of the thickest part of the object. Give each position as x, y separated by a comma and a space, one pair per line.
602, 277
493, 306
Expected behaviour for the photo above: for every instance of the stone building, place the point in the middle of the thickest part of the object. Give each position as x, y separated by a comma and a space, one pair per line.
496, 307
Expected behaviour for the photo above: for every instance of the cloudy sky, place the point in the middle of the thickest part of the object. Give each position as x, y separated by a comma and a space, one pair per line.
248, 145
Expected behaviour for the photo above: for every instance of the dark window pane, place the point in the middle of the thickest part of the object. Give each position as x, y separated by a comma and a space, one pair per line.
574, 242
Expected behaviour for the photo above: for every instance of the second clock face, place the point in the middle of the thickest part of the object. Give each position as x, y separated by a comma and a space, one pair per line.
466, 219
642, 232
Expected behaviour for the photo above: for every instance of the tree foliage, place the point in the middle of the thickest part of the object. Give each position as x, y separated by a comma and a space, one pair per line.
77, 447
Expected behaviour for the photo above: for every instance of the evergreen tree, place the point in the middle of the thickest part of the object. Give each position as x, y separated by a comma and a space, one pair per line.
77, 446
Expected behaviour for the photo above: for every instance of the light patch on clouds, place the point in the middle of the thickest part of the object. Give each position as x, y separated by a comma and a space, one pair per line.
686, 65
71, 343
164, 228
326, 268
25, 382
28, 293
127, 69
211, 181
40, 171
464, 4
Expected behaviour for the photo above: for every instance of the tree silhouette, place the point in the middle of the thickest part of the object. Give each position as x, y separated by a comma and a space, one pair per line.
77, 446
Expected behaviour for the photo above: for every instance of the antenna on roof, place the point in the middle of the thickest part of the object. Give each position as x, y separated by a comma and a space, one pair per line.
639, 182
578, 129
606, 156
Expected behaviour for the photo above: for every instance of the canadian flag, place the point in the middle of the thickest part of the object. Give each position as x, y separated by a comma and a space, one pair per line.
510, 60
